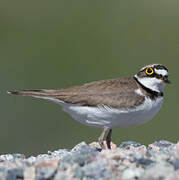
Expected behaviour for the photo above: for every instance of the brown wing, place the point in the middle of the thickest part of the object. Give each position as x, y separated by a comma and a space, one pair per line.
117, 93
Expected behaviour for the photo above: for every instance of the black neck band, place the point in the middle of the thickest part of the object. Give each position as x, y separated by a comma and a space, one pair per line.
154, 93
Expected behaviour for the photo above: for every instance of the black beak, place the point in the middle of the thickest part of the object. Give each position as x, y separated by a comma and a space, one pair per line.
165, 79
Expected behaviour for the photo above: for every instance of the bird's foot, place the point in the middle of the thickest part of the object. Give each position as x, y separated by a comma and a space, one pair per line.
104, 146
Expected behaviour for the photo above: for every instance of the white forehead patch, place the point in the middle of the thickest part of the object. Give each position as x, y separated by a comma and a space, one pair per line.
163, 72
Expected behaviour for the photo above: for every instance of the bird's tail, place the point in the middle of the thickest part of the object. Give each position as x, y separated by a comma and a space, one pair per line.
50, 95
35, 93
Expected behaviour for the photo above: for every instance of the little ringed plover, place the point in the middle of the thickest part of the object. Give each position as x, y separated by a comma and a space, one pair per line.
108, 104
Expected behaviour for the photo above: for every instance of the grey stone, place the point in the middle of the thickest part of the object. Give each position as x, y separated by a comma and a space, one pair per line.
62, 176
144, 161
45, 173
14, 174
138, 155
29, 173
7, 157
31, 160
3, 173
158, 171
83, 155
176, 163
160, 157
43, 156
18, 156
129, 161
79, 146
78, 172
59, 153
132, 173
97, 170
128, 144
162, 143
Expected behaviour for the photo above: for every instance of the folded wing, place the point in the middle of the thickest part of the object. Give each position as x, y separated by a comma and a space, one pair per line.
116, 93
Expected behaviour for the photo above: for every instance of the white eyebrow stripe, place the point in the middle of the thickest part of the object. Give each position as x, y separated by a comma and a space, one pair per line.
163, 72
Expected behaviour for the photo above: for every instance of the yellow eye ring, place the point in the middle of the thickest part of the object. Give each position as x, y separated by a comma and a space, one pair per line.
149, 71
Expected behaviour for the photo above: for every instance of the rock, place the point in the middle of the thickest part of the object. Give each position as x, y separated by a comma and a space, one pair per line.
79, 146
176, 163
131, 160
62, 175
80, 155
18, 156
7, 157
31, 160
46, 170
158, 171
128, 144
29, 173
97, 170
59, 153
132, 173
154, 148
13, 174
144, 161
162, 144
45, 173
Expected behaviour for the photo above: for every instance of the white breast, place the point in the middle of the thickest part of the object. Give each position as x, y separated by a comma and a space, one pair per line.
104, 116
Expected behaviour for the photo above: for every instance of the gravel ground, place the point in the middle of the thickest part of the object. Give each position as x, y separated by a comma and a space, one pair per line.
130, 160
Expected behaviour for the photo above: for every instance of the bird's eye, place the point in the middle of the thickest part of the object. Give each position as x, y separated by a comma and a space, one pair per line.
149, 71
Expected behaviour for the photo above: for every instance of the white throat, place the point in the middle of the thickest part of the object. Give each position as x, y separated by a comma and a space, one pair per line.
152, 83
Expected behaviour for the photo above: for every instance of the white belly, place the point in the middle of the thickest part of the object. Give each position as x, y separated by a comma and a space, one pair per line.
110, 117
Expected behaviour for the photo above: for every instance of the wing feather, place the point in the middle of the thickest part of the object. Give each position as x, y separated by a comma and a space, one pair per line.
117, 93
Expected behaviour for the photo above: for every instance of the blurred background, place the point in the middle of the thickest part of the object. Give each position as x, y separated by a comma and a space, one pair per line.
56, 44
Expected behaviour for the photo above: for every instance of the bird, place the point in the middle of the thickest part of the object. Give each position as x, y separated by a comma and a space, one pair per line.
113, 103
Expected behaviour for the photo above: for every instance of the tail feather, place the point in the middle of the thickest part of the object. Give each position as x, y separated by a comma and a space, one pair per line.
50, 95
35, 93
13, 92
